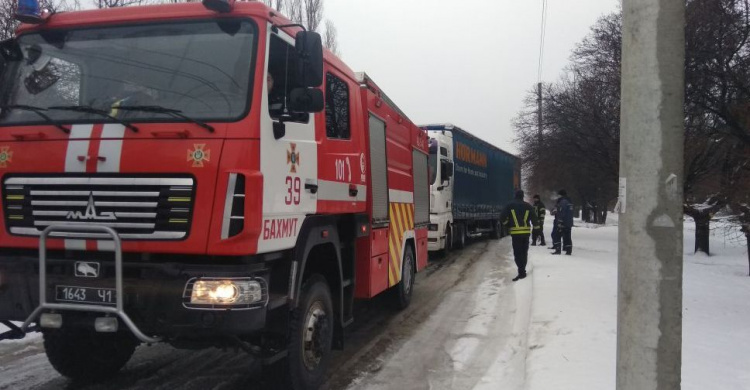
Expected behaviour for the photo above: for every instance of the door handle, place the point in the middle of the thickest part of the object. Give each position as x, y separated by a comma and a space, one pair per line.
313, 188
353, 191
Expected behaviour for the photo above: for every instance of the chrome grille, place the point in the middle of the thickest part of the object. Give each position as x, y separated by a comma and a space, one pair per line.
138, 208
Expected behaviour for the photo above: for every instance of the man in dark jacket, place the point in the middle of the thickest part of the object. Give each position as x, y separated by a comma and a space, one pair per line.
538, 231
563, 225
519, 217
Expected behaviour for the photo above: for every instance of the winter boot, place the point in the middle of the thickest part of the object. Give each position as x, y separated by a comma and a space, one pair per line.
519, 277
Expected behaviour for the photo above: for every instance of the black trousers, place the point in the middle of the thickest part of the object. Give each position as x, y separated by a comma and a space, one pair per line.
538, 234
567, 240
521, 251
556, 237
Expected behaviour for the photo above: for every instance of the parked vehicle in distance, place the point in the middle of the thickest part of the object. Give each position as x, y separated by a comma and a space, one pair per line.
470, 182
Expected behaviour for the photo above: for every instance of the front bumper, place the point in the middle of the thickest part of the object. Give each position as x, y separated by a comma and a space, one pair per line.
434, 241
153, 294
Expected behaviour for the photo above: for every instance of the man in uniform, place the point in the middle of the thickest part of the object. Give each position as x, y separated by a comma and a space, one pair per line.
563, 225
538, 231
519, 217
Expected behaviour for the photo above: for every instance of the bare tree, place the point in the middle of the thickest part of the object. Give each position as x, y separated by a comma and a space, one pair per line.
118, 3
295, 11
313, 14
580, 145
8, 23
278, 5
330, 38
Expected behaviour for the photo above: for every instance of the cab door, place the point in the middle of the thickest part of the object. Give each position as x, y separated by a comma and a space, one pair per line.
342, 174
289, 159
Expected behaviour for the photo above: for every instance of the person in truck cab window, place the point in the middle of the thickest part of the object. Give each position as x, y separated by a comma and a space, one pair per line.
275, 99
132, 95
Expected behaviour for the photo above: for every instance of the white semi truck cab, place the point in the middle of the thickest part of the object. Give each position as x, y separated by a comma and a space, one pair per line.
440, 235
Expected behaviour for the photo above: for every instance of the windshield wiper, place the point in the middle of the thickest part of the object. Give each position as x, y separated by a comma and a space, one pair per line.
92, 110
168, 111
37, 110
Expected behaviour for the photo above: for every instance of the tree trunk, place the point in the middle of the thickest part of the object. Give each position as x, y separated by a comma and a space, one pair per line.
702, 232
585, 212
747, 240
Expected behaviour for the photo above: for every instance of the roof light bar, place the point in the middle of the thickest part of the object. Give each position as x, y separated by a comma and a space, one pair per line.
222, 6
28, 11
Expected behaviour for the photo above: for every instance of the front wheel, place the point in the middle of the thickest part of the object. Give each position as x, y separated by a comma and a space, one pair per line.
310, 340
461, 235
448, 246
85, 355
497, 230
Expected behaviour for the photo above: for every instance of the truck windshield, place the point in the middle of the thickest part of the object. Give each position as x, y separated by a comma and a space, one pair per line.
432, 160
203, 69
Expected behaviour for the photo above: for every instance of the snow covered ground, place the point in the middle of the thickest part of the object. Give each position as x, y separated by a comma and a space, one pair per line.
572, 333
470, 327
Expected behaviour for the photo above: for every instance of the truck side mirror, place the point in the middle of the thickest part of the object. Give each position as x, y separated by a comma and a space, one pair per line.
450, 169
306, 100
310, 66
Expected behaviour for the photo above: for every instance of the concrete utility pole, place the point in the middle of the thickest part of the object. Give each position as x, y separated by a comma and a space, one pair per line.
539, 111
649, 307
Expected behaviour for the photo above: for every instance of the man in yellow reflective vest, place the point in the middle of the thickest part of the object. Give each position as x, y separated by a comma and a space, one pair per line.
541, 212
519, 217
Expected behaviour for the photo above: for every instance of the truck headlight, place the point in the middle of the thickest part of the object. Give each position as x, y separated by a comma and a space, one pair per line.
225, 291
433, 227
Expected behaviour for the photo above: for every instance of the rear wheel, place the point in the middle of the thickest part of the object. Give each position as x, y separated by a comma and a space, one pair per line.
404, 288
310, 340
85, 355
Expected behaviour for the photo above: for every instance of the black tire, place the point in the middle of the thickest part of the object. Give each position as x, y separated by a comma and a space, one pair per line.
448, 239
305, 366
404, 289
461, 235
497, 230
87, 356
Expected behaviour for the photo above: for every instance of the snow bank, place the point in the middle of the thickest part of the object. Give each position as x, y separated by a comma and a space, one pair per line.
30, 338
572, 335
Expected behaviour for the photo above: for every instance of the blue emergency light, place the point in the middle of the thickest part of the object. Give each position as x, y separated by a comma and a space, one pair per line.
28, 11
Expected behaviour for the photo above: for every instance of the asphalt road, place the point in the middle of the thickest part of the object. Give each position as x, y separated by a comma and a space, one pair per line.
377, 337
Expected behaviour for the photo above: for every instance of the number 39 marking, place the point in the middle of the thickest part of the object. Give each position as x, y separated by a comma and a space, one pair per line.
293, 189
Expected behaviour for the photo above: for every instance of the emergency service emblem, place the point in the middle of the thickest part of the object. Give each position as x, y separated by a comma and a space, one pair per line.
6, 156
292, 157
199, 155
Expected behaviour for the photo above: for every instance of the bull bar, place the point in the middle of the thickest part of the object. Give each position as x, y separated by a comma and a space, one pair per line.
118, 310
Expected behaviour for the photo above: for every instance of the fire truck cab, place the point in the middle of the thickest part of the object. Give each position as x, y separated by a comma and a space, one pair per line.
202, 175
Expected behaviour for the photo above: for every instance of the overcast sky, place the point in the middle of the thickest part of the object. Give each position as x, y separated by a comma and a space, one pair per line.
469, 63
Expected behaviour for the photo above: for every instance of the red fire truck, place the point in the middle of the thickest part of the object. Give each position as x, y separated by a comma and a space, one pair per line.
201, 175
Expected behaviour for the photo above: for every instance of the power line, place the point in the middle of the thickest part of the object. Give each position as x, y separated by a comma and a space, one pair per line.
542, 35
